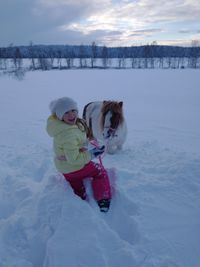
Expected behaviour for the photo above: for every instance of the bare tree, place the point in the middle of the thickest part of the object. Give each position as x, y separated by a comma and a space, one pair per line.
69, 58
94, 54
31, 55
194, 54
133, 58
82, 61
105, 57
17, 58
59, 59
51, 55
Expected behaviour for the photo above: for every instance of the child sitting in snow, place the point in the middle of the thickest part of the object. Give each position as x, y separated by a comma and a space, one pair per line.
72, 158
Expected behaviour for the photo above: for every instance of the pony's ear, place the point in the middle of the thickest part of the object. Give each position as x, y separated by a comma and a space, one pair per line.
121, 104
106, 102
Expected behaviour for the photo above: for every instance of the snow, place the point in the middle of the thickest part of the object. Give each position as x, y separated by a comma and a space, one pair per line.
154, 217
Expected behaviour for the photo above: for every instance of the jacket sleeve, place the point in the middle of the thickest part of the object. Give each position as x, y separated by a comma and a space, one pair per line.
49, 126
72, 153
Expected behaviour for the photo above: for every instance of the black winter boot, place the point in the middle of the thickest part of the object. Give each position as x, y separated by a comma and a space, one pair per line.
104, 205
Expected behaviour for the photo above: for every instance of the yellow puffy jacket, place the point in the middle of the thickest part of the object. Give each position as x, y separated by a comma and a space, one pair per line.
67, 142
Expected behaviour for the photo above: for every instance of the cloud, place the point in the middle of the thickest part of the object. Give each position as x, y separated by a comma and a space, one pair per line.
134, 18
110, 22
184, 31
25, 20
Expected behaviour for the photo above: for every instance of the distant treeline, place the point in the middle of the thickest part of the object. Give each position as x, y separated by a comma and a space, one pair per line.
20, 59
94, 51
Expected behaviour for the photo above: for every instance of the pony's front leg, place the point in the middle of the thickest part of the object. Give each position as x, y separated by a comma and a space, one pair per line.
119, 147
111, 148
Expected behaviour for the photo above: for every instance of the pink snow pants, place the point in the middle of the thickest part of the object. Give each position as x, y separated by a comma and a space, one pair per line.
100, 181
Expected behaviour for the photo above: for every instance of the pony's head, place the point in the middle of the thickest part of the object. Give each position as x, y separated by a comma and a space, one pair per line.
112, 117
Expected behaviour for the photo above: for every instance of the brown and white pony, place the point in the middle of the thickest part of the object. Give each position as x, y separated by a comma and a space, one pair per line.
106, 123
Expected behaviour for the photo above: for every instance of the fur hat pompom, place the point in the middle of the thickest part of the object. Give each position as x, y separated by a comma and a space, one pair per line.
62, 105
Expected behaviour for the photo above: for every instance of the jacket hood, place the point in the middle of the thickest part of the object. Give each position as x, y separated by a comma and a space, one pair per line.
55, 126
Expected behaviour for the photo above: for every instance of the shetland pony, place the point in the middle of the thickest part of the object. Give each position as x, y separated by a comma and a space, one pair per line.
106, 123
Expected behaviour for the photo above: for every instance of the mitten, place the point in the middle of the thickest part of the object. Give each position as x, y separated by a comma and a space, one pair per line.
95, 152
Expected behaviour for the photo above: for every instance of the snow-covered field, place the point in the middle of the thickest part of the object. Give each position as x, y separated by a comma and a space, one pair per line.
154, 220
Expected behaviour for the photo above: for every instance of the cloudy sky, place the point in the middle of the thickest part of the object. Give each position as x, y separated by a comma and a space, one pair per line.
107, 22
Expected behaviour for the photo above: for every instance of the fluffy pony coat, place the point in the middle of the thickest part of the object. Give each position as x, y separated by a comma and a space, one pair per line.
93, 115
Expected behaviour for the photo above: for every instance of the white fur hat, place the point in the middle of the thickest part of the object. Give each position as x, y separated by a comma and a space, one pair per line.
62, 105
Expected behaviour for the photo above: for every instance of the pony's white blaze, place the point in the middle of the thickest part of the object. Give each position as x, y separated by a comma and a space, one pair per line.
107, 125
113, 132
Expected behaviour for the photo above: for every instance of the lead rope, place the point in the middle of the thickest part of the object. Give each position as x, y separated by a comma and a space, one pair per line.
96, 144
111, 173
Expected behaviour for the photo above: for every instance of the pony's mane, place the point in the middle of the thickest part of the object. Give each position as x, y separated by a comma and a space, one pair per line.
116, 110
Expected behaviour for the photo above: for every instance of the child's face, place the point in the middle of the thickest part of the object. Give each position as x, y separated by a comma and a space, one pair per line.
70, 117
